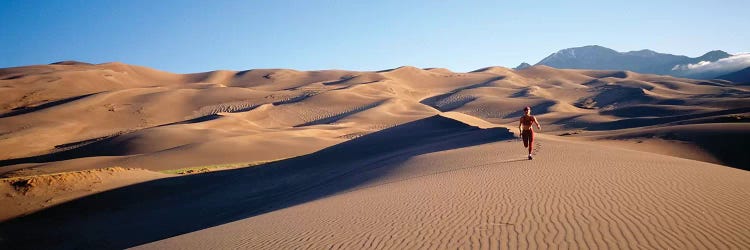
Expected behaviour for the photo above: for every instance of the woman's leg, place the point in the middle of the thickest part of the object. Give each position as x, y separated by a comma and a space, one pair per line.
525, 138
531, 141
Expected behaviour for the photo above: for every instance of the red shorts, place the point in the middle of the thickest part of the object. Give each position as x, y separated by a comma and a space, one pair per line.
528, 137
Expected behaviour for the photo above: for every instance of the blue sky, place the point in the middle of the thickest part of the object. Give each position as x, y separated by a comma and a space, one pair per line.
196, 36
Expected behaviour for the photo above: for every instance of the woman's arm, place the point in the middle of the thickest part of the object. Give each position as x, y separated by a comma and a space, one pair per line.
537, 124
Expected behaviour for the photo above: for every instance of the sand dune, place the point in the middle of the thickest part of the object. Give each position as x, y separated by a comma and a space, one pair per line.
353, 139
436, 182
144, 101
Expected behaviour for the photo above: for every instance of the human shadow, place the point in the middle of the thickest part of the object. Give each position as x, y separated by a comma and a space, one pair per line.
163, 208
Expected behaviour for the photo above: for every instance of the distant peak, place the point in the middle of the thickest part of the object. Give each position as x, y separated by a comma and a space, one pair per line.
523, 65
717, 53
578, 53
713, 56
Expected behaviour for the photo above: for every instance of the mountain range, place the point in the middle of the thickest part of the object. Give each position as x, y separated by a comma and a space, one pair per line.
641, 61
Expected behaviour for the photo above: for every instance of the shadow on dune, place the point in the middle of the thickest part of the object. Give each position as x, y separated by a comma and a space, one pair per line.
658, 118
87, 148
100, 146
24, 110
651, 121
727, 142
158, 209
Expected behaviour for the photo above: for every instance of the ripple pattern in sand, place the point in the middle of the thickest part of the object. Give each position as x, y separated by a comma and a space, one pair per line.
469, 199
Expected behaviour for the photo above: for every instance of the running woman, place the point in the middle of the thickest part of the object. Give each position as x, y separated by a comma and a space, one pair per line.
527, 133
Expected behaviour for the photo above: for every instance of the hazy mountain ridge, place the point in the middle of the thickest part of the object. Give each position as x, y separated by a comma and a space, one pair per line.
641, 61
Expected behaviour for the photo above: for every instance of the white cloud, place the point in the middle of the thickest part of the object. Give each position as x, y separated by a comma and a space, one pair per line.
725, 65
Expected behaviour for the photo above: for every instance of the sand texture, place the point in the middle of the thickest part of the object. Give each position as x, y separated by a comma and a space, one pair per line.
484, 197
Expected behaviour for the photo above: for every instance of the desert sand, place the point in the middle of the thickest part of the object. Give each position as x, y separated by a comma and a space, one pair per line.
484, 197
400, 158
